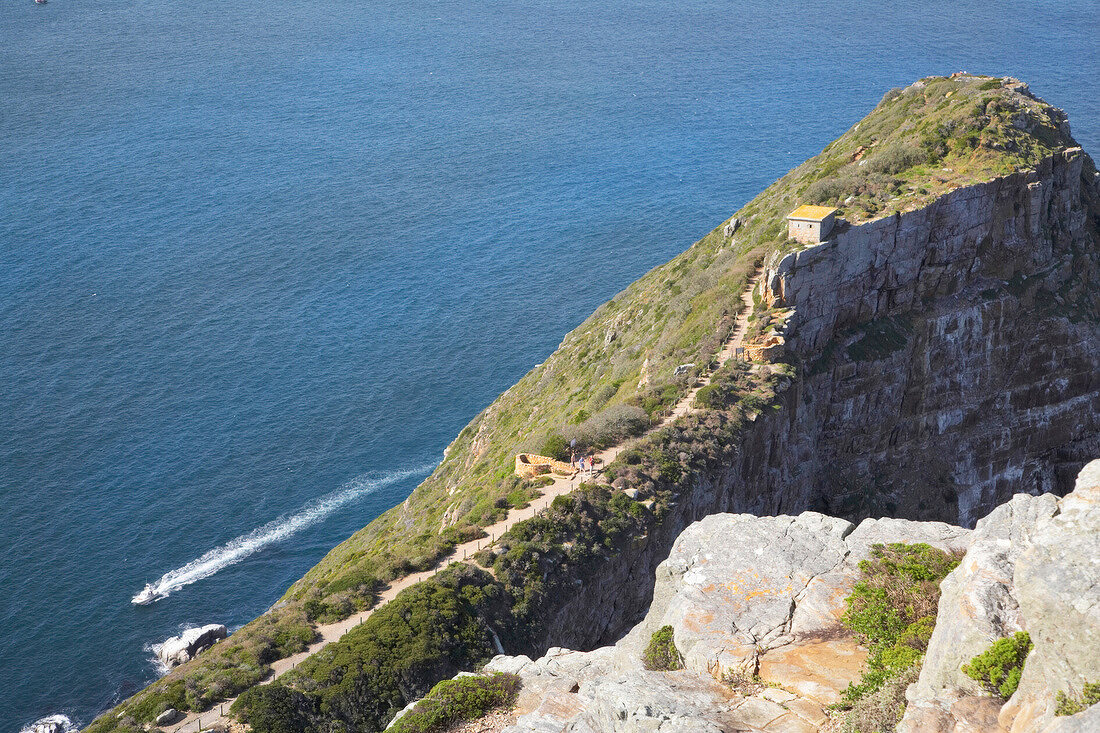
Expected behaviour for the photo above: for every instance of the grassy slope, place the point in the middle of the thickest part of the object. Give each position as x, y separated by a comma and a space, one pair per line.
917, 144
936, 135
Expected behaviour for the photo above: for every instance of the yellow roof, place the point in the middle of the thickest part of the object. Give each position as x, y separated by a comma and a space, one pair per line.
806, 211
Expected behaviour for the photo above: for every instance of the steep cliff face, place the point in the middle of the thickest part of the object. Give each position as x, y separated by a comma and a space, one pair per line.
952, 354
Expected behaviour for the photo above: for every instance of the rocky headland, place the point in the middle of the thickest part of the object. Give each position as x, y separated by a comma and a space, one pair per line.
928, 376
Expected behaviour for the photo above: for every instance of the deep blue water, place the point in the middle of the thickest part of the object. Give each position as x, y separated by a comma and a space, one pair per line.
260, 255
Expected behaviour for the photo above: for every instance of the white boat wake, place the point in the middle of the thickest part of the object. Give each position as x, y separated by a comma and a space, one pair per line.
238, 549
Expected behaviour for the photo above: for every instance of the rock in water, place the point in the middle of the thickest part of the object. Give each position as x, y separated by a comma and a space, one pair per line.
184, 647
51, 724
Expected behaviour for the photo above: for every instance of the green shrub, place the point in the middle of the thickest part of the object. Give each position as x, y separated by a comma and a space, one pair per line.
428, 632
556, 446
458, 700
275, 709
604, 429
1071, 705
657, 398
604, 394
358, 580
998, 668
518, 499
830, 190
895, 159
892, 609
879, 338
661, 653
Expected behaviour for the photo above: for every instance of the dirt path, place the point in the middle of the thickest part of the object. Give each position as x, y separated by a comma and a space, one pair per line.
195, 722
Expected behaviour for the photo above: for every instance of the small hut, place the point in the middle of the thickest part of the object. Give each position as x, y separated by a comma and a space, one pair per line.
810, 224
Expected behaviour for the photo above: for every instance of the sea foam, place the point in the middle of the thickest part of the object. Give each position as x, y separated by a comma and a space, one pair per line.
238, 549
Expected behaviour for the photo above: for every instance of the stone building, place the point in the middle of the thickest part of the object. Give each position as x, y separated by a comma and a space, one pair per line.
810, 224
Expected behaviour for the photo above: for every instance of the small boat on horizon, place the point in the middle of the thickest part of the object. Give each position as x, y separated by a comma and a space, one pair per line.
39, 2
148, 594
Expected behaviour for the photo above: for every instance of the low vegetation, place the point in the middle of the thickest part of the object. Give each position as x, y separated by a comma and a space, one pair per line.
881, 710
611, 378
431, 631
999, 667
604, 429
458, 700
226, 669
661, 653
932, 137
892, 609
1072, 704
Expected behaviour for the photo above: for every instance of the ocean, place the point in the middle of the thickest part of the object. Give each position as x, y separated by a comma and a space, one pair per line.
261, 261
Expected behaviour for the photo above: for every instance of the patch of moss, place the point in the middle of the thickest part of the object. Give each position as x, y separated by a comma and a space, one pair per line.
880, 338
458, 700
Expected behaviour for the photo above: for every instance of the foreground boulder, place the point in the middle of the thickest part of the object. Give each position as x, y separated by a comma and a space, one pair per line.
1033, 565
754, 604
763, 596
186, 646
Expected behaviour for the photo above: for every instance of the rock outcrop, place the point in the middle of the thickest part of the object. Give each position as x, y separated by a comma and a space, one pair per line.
755, 604
763, 596
753, 601
1033, 565
179, 649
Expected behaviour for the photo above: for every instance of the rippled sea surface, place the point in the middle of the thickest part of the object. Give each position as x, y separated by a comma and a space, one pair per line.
261, 261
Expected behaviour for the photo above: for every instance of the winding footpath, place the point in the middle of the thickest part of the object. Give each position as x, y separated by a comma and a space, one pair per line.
327, 633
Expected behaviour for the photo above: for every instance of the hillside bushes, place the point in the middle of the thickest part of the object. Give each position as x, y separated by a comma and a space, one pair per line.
604, 429
429, 632
542, 558
222, 671
276, 709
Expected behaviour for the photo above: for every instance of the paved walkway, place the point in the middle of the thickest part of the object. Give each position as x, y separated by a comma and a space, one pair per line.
195, 722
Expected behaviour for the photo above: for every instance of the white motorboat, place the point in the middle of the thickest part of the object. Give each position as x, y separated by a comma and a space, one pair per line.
147, 595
